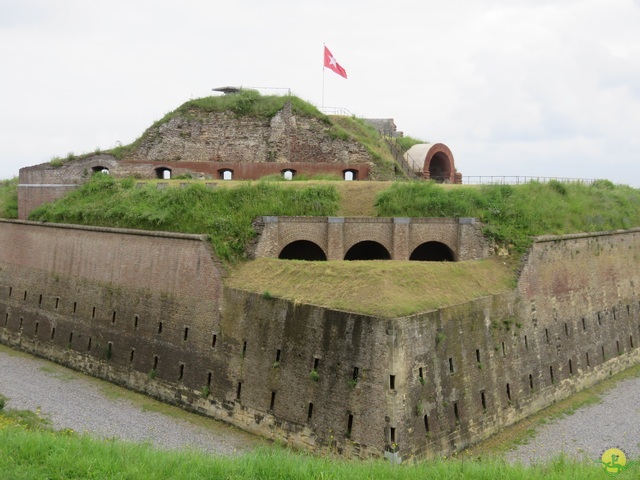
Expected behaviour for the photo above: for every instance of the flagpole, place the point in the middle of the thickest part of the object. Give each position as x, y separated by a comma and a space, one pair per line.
323, 69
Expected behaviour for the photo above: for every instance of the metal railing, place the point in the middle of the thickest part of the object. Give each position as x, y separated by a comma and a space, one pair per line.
396, 151
518, 180
336, 111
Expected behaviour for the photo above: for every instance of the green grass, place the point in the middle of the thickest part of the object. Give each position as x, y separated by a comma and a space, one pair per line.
225, 214
366, 134
407, 142
399, 286
30, 449
512, 214
247, 103
9, 198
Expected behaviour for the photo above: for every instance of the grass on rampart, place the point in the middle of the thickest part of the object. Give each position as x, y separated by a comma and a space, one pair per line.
9, 198
513, 214
30, 449
225, 214
383, 288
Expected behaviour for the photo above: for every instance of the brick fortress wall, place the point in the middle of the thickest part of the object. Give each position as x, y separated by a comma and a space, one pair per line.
471, 369
148, 311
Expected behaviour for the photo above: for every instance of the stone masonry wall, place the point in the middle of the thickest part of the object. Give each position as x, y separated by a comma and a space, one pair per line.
226, 137
113, 303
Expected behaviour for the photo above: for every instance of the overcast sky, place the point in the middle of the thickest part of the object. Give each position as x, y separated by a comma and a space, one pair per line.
513, 87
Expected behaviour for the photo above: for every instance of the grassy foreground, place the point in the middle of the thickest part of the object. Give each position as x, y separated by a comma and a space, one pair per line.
30, 449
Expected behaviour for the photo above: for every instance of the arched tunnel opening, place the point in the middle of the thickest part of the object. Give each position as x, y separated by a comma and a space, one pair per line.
432, 252
302, 250
367, 250
439, 170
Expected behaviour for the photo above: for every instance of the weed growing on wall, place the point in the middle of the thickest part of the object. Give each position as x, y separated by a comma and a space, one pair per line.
9, 198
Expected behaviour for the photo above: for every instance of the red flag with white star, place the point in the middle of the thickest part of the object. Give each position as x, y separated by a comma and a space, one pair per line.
331, 63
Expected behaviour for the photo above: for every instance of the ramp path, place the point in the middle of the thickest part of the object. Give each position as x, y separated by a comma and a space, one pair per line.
590, 431
87, 405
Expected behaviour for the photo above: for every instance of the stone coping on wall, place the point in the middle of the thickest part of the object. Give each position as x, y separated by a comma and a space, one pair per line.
569, 236
125, 231
402, 220
53, 185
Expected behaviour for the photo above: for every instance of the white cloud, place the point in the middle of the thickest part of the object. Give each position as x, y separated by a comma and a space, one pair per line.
541, 86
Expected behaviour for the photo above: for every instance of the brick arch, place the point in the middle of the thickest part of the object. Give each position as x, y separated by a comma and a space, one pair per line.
367, 250
422, 239
425, 233
302, 250
100, 169
314, 232
439, 164
433, 251
379, 239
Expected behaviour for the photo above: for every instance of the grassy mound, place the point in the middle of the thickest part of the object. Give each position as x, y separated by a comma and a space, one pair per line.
225, 214
246, 103
513, 214
250, 103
